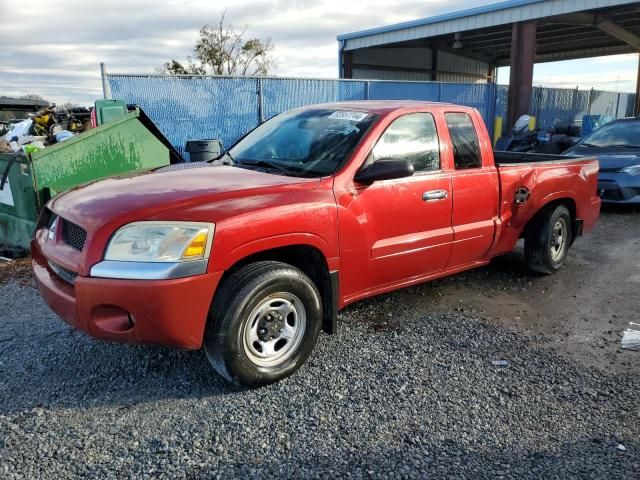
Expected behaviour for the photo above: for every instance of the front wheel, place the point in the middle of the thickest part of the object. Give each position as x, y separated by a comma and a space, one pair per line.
265, 322
548, 239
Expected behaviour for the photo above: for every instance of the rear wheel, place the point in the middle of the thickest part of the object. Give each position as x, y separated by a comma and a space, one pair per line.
548, 239
265, 322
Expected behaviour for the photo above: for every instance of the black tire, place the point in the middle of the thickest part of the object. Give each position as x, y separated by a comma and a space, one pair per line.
226, 343
542, 250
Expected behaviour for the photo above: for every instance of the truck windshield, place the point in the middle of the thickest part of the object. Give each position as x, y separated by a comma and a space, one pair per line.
306, 143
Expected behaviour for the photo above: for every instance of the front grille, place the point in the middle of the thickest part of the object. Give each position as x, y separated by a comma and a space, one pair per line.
66, 275
73, 235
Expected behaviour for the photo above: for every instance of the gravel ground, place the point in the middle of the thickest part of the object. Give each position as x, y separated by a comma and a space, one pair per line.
583, 308
399, 392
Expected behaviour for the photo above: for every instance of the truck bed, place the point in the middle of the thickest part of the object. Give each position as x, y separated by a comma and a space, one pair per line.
528, 180
519, 158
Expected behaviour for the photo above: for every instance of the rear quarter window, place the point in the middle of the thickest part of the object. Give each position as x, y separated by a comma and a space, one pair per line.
464, 139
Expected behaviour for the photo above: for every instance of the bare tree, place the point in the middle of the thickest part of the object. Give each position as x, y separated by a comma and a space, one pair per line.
222, 51
65, 107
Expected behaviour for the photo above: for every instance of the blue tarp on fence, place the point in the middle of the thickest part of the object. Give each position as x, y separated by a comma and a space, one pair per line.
186, 108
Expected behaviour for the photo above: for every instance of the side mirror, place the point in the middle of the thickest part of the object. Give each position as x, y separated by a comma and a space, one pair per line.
384, 169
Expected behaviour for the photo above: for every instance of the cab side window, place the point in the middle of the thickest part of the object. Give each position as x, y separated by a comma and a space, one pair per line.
466, 147
412, 137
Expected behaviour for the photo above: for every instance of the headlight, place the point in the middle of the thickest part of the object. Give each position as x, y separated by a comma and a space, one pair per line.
161, 242
633, 170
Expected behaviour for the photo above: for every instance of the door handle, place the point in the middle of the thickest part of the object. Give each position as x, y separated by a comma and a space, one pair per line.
435, 195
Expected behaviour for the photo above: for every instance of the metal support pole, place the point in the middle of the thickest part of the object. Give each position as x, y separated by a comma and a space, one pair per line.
106, 91
533, 108
260, 101
491, 75
523, 53
636, 109
347, 67
434, 64
367, 90
492, 94
340, 63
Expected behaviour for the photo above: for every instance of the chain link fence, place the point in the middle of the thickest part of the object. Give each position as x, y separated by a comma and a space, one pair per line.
195, 107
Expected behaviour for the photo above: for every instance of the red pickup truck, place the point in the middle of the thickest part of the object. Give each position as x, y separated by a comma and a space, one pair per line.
250, 256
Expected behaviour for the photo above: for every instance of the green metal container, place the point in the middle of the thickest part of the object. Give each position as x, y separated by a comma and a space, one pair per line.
128, 144
18, 202
108, 110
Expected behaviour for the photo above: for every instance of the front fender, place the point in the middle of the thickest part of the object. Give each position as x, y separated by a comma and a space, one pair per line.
309, 219
225, 260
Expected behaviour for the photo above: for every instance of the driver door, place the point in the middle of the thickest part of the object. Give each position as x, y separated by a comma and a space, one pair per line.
404, 225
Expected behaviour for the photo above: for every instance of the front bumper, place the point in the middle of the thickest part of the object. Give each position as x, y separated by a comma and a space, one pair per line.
167, 312
619, 188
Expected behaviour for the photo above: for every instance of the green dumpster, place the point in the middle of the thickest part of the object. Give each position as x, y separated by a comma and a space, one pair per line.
18, 202
127, 144
108, 110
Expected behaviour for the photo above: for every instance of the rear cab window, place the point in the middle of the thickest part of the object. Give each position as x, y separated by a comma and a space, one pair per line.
464, 139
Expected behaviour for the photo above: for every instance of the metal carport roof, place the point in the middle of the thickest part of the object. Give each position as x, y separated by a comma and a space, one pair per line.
22, 104
567, 29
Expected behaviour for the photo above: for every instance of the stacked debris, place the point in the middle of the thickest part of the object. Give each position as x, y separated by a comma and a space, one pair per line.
47, 127
4, 128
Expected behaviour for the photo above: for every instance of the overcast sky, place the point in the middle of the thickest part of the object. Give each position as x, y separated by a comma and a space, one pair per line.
53, 48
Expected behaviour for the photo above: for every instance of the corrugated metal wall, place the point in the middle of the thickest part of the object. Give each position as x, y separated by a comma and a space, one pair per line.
409, 61
409, 58
449, 64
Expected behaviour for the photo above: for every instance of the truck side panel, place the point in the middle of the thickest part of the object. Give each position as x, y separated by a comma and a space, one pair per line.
572, 181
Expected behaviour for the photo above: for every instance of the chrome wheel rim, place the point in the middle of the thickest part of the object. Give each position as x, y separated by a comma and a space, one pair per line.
274, 329
559, 240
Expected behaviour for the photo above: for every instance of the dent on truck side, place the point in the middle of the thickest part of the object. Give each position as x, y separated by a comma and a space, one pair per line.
567, 183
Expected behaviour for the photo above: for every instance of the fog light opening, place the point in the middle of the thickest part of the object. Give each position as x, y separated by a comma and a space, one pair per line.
132, 321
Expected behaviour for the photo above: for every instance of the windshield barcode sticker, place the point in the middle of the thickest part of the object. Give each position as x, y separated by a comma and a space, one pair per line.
351, 116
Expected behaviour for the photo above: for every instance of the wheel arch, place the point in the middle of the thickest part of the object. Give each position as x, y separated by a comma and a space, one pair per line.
310, 260
551, 203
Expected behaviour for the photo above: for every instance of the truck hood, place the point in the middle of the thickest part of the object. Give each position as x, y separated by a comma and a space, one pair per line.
174, 188
617, 162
